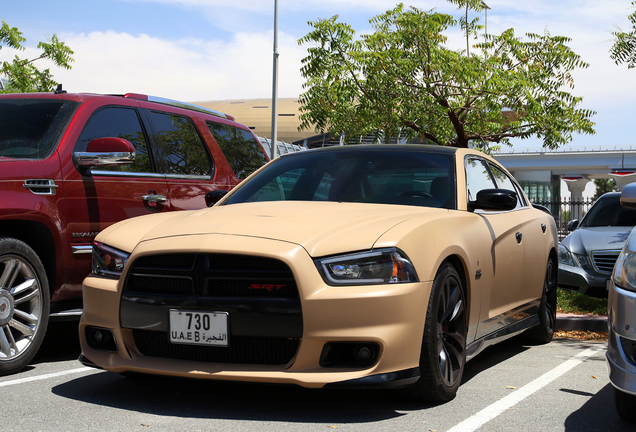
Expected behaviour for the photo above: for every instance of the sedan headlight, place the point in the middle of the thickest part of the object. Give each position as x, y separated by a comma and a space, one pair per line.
108, 261
565, 257
572, 259
625, 270
382, 266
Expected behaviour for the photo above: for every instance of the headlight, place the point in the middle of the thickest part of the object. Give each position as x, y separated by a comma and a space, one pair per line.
565, 257
380, 266
625, 270
568, 258
108, 261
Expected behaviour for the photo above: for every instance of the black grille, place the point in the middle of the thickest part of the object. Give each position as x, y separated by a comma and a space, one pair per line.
245, 350
629, 347
212, 275
604, 261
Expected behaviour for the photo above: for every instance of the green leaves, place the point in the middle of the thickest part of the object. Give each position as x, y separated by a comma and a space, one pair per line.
21, 74
624, 48
403, 80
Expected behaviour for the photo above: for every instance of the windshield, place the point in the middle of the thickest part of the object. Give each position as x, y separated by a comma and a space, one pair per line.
383, 176
31, 128
607, 211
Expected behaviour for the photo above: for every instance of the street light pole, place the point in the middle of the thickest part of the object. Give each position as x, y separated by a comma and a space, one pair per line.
275, 86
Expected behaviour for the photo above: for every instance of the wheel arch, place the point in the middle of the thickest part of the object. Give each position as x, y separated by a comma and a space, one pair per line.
457, 262
39, 238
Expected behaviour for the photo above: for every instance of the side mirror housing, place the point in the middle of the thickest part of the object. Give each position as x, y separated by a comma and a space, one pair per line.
495, 200
572, 225
106, 152
628, 196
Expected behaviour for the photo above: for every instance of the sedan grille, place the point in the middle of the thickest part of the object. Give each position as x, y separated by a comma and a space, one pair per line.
212, 275
604, 261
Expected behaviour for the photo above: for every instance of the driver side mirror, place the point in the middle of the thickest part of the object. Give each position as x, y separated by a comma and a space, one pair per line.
106, 152
628, 196
495, 200
214, 197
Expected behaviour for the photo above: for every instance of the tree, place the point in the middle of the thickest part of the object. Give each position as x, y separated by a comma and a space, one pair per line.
604, 186
404, 81
624, 48
21, 74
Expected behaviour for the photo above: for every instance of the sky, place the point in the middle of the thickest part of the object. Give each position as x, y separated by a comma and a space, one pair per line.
201, 50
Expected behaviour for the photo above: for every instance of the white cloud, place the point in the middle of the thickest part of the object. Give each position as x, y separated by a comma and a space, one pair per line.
109, 62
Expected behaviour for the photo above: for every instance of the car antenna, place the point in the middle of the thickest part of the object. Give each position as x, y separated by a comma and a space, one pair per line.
59, 90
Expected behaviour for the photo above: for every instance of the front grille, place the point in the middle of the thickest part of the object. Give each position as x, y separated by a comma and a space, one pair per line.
604, 261
211, 275
244, 350
629, 347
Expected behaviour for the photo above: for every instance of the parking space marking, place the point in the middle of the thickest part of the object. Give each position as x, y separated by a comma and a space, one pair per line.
490, 412
46, 376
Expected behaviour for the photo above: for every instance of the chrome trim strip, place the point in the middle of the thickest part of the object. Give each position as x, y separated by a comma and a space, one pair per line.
66, 313
188, 177
127, 174
78, 250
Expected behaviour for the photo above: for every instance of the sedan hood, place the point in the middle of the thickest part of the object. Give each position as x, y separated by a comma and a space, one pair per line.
322, 228
586, 240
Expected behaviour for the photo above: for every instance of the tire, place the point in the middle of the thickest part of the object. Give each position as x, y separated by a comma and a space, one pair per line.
24, 305
544, 332
625, 405
443, 353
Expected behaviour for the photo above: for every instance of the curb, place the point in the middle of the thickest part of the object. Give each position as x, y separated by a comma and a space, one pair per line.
573, 322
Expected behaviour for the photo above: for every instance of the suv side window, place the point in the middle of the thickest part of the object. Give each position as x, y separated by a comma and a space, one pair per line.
241, 150
118, 122
183, 151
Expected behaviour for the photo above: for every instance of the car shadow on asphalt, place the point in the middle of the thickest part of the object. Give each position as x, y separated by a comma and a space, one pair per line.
597, 414
61, 343
182, 397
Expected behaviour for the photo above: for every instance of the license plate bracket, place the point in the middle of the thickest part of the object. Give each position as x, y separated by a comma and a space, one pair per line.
195, 327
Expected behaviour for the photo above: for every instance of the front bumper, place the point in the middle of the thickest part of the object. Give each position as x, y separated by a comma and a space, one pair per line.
577, 279
390, 316
621, 348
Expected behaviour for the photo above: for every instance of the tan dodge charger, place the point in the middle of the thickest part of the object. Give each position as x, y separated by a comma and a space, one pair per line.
355, 266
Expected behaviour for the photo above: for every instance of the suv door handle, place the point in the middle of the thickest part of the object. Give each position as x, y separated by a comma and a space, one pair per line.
519, 237
159, 199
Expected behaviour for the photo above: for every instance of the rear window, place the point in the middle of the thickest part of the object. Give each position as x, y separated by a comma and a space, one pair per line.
31, 128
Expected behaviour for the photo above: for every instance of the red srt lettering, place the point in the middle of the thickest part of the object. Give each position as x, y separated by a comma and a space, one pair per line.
267, 287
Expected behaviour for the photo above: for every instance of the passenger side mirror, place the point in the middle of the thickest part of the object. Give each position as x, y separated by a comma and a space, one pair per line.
106, 152
628, 196
572, 225
214, 197
495, 200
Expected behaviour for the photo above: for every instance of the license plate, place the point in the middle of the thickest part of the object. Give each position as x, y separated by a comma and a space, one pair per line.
198, 328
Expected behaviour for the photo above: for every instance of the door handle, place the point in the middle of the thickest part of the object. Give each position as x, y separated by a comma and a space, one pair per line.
158, 199
519, 237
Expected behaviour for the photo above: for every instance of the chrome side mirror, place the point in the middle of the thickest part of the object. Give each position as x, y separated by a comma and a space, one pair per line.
106, 152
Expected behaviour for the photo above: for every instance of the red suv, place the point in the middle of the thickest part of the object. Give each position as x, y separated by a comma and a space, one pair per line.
73, 164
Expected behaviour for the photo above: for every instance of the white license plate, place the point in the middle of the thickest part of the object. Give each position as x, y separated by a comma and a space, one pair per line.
198, 328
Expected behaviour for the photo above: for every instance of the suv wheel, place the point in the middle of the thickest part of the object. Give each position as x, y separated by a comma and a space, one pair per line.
24, 304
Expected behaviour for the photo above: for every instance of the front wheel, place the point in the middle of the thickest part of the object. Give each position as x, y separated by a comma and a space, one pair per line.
544, 332
443, 353
24, 305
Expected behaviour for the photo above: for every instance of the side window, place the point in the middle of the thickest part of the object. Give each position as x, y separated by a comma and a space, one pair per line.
118, 122
182, 149
505, 182
477, 178
241, 150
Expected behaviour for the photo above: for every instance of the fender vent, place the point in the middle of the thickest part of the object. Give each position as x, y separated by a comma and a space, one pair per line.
41, 186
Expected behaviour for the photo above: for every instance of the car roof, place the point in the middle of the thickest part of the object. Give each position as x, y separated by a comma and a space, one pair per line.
82, 97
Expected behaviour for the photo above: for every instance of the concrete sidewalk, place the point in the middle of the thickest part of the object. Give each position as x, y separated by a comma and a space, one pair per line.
587, 322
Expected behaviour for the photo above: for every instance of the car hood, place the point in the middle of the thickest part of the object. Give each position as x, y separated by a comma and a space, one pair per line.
585, 240
322, 228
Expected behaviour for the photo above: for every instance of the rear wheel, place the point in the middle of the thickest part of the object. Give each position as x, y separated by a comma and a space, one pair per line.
24, 305
544, 332
443, 353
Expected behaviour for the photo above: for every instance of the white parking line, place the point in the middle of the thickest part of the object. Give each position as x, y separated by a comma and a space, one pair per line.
46, 376
490, 412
